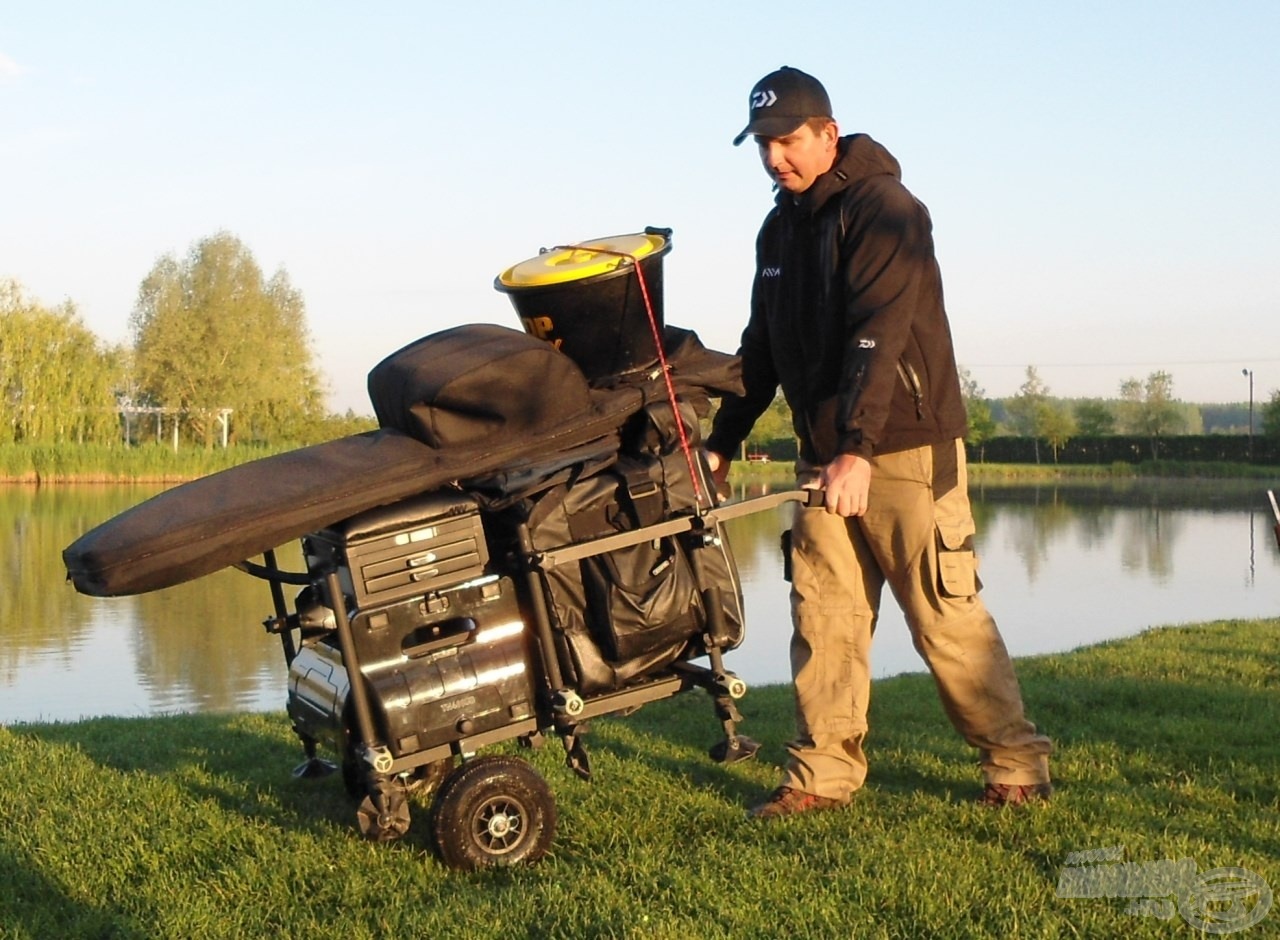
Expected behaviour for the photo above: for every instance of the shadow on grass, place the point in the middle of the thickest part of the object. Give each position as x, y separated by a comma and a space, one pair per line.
241, 763
688, 728
1155, 752
32, 905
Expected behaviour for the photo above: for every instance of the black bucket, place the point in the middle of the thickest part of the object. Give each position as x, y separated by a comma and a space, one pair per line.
587, 301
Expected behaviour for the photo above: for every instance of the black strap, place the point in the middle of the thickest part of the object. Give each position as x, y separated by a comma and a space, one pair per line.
643, 489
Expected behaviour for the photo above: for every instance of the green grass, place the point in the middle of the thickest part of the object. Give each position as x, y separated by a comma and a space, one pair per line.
101, 463
192, 827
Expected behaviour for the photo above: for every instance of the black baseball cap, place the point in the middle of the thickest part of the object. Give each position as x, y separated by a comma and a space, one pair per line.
782, 101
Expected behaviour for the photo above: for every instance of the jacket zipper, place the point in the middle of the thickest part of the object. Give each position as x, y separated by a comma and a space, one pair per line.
912, 381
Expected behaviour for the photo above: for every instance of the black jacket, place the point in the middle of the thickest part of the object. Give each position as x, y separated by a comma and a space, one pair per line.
847, 315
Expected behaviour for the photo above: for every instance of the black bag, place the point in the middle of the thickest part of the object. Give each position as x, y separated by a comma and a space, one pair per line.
627, 613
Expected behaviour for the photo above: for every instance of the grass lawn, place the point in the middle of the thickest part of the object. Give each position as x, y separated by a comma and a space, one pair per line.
192, 827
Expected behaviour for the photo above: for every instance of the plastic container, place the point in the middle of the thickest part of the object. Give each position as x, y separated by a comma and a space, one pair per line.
587, 301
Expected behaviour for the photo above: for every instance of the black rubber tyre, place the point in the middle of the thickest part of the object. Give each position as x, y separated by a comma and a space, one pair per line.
493, 811
388, 823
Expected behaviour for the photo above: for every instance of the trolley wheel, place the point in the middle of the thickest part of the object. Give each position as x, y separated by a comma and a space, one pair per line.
493, 811
383, 815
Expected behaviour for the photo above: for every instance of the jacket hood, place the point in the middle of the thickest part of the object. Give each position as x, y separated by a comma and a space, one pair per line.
859, 158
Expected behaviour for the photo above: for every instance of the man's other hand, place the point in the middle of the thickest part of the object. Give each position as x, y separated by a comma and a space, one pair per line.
719, 465
847, 480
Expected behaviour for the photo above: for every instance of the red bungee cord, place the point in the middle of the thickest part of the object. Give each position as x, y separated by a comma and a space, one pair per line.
662, 360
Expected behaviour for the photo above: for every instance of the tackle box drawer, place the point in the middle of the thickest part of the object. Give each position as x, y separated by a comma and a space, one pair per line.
402, 550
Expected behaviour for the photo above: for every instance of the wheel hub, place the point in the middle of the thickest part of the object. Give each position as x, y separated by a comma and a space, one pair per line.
500, 826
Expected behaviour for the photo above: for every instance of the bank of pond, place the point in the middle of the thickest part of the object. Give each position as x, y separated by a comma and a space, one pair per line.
162, 463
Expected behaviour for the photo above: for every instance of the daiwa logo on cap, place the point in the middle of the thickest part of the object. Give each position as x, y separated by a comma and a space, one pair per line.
781, 101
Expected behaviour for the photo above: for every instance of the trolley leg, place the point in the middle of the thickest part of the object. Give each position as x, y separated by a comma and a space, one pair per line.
723, 685
282, 612
384, 814
565, 702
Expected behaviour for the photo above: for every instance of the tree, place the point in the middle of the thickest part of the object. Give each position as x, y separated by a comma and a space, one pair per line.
1094, 418
1030, 409
774, 425
1058, 426
211, 333
1271, 415
57, 380
1149, 409
981, 422
1189, 419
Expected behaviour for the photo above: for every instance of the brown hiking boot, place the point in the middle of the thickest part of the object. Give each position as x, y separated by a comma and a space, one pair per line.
1013, 794
787, 801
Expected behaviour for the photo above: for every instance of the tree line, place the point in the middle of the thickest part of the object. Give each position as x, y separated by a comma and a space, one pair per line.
211, 336
55, 375
1144, 409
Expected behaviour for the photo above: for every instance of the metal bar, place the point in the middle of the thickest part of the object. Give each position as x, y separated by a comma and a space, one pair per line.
464, 745
263, 573
282, 612
616, 701
357, 691
609, 543
542, 620
761, 503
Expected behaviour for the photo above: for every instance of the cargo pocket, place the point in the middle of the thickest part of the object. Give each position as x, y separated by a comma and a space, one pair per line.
957, 563
641, 599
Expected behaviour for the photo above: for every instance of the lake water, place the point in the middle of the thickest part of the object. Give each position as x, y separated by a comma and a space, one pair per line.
1063, 566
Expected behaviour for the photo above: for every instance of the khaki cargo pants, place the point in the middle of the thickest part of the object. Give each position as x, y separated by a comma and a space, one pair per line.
917, 536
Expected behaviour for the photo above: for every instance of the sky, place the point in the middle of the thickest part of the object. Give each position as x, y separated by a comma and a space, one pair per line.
1102, 176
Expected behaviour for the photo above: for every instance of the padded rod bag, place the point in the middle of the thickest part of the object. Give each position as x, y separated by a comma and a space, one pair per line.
461, 403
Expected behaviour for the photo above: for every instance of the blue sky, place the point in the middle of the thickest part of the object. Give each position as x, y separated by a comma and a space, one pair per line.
1102, 175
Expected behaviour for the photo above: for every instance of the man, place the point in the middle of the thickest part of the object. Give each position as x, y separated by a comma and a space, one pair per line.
847, 316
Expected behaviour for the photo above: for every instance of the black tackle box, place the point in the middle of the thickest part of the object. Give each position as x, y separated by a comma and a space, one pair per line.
402, 550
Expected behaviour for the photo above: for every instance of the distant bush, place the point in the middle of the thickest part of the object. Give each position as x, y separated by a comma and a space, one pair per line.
1196, 448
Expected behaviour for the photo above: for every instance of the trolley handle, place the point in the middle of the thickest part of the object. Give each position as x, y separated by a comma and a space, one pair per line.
810, 498
676, 526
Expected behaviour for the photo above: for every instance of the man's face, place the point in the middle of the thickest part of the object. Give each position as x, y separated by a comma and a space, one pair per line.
798, 159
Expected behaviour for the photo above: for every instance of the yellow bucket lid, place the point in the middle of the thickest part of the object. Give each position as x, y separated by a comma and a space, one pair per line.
561, 265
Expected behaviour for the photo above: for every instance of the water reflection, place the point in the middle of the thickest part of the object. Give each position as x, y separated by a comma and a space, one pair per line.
1063, 566
194, 647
